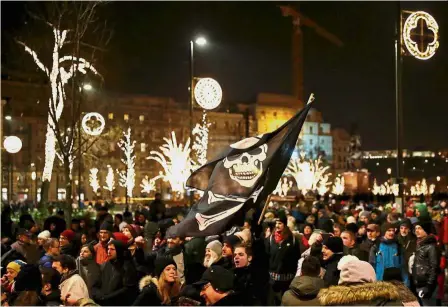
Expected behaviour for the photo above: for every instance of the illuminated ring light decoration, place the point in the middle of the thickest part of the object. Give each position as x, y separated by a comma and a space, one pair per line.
12, 144
208, 93
95, 131
412, 46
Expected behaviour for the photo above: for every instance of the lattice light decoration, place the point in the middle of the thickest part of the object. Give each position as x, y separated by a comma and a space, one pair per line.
110, 179
58, 76
208, 93
338, 186
412, 46
200, 145
96, 129
127, 178
93, 179
176, 162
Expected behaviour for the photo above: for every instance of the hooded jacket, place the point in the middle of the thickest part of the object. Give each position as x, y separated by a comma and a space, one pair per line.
90, 272
303, 291
118, 285
149, 295
377, 293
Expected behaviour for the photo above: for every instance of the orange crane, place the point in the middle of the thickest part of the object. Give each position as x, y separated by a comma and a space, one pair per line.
298, 20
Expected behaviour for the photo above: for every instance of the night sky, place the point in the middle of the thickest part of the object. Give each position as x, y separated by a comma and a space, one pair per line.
249, 52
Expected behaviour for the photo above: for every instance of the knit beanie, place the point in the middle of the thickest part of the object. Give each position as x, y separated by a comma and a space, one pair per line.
106, 225
282, 217
44, 235
216, 247
356, 271
426, 224
351, 220
365, 214
407, 223
161, 263
232, 240
69, 234
386, 226
121, 226
423, 210
121, 237
16, 265
131, 230
352, 227
28, 279
334, 244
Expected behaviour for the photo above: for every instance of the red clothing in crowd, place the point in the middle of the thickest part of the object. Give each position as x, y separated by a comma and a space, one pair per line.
101, 253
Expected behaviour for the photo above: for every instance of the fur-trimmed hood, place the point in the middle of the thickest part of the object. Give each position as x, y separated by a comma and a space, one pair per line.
146, 281
366, 294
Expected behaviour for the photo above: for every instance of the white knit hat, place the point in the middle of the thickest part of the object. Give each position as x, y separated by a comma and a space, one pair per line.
44, 235
356, 271
351, 219
121, 225
216, 247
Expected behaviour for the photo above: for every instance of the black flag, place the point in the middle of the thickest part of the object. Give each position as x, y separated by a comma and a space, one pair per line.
241, 177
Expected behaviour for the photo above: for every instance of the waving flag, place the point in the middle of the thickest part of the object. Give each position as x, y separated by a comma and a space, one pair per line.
241, 177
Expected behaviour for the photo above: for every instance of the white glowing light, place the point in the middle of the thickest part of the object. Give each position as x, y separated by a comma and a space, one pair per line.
283, 187
176, 162
201, 41
127, 178
58, 78
412, 46
421, 187
208, 93
87, 87
339, 186
376, 188
323, 186
200, 145
385, 188
93, 179
309, 175
95, 130
33, 176
148, 184
12, 144
110, 180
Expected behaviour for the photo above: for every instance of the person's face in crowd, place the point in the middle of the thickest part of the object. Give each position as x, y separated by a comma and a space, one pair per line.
373, 215
307, 230
246, 225
372, 234
320, 214
209, 294
362, 231
208, 254
175, 221
57, 266
364, 219
34, 229
279, 226
337, 231
227, 250
157, 241
240, 258
52, 226
326, 253
104, 236
443, 204
310, 219
417, 213
11, 274
404, 230
127, 233
63, 241
314, 210
170, 273
54, 249
419, 232
83, 238
173, 242
82, 224
141, 218
111, 252
25, 239
41, 241
117, 220
85, 253
390, 234
347, 240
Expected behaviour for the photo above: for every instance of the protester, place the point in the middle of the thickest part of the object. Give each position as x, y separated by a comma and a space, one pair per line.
27, 288
52, 249
351, 247
100, 248
407, 239
332, 252
50, 287
87, 267
67, 243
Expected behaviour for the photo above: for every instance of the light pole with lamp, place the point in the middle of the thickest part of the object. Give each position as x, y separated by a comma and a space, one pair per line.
12, 145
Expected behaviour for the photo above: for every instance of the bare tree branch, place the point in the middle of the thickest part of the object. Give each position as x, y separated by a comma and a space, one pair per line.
35, 57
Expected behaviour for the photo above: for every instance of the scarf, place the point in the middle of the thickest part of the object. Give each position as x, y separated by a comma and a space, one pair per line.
278, 237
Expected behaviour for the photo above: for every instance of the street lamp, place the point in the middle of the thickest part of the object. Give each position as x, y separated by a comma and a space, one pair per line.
8, 117
87, 87
201, 41
12, 145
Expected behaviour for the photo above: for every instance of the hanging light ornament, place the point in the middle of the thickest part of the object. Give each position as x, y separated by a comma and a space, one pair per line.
94, 116
410, 24
12, 144
208, 93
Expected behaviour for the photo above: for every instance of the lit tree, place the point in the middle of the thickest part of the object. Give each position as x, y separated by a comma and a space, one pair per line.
324, 186
110, 180
283, 187
127, 178
175, 161
148, 184
200, 145
339, 186
422, 188
93, 179
376, 188
309, 175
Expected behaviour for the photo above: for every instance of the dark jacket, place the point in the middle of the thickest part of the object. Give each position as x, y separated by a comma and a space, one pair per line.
29, 251
409, 245
303, 291
53, 299
426, 265
90, 272
331, 277
283, 256
148, 295
70, 249
253, 284
233, 299
358, 252
366, 294
367, 244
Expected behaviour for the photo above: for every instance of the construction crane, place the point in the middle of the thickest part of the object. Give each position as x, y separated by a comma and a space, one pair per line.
298, 20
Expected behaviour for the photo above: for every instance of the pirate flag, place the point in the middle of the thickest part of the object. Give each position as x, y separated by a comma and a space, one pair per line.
242, 176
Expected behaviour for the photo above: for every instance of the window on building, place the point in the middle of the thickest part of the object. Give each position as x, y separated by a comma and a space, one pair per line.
126, 117
142, 147
141, 118
111, 116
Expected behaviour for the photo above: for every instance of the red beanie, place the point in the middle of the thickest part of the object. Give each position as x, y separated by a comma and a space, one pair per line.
121, 237
69, 234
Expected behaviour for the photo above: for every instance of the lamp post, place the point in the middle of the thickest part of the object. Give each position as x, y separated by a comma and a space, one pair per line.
12, 145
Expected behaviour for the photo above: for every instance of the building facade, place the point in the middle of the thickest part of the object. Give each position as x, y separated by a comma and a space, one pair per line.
341, 145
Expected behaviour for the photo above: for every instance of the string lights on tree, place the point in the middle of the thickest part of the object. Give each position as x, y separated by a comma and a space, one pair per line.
175, 161
200, 145
127, 178
148, 184
93, 180
110, 179
338, 186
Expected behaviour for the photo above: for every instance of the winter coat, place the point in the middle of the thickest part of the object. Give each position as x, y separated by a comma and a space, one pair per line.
283, 256
53, 299
303, 291
90, 272
388, 254
357, 252
28, 250
46, 261
253, 284
233, 299
365, 294
73, 284
70, 249
149, 294
409, 245
367, 245
426, 265
406, 295
331, 276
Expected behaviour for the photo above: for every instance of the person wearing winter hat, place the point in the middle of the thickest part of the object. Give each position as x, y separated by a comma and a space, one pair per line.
105, 234
332, 252
27, 288
66, 243
213, 253
12, 270
364, 217
351, 220
407, 239
121, 237
358, 286
131, 234
421, 211
426, 263
41, 239
162, 288
87, 267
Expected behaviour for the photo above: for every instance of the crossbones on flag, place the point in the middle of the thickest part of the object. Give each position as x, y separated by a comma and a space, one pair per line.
241, 177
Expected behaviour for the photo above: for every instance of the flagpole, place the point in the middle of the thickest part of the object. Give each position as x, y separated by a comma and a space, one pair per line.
264, 209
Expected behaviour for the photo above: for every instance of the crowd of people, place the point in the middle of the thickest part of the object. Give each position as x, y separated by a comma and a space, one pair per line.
306, 253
